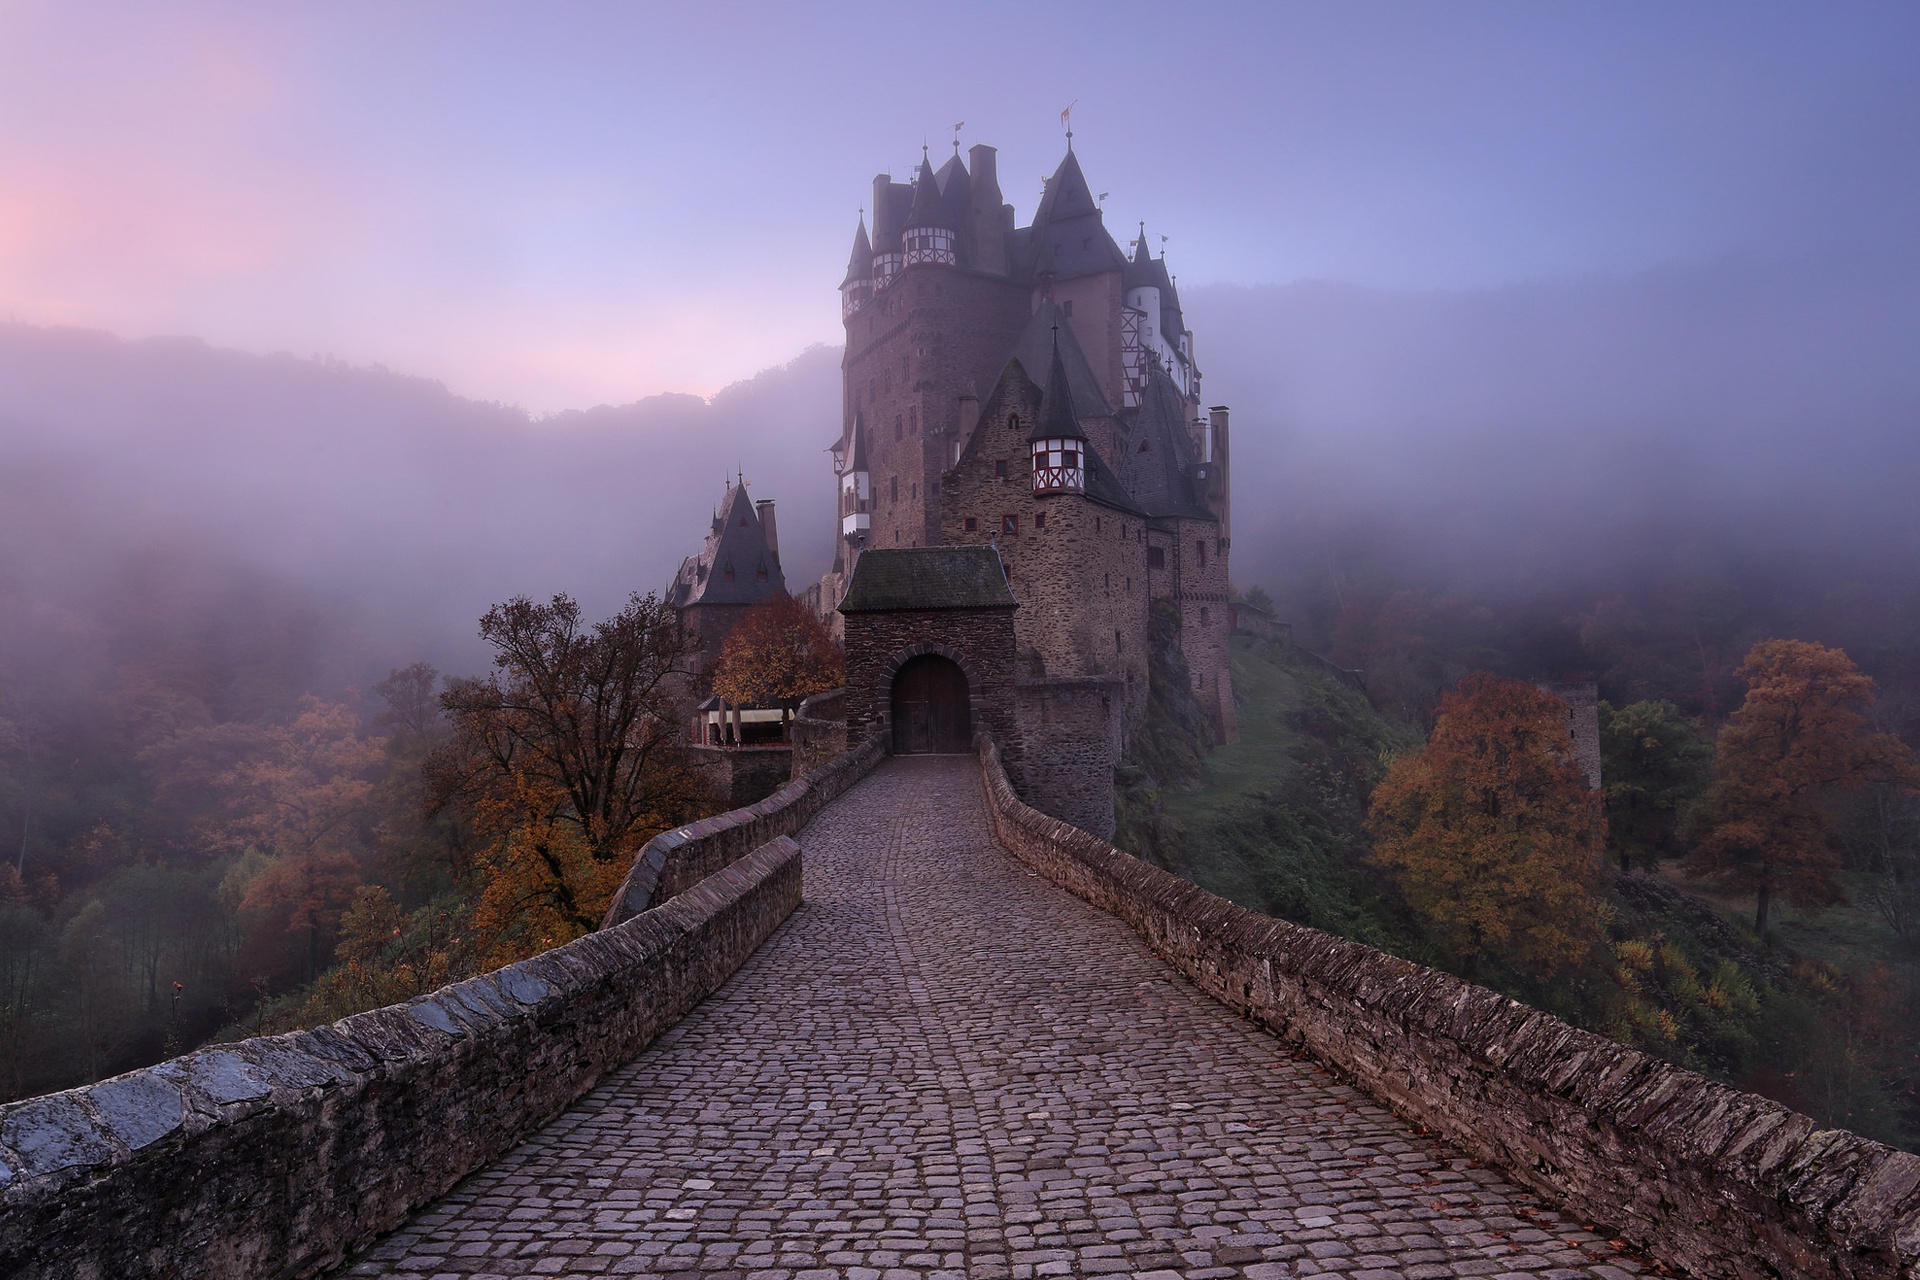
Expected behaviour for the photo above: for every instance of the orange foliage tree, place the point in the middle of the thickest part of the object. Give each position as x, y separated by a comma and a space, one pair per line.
778, 653
1795, 746
300, 797
1491, 830
567, 760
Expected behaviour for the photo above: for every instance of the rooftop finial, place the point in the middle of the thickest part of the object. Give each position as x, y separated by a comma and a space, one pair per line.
956, 137
1066, 122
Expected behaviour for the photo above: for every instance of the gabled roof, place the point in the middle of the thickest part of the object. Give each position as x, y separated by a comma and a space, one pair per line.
737, 543
858, 460
894, 578
1035, 351
1160, 478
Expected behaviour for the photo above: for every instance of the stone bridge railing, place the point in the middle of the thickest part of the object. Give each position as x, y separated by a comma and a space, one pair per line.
278, 1156
1720, 1182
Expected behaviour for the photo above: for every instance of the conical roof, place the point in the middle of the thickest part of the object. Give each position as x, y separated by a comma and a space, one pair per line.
1057, 419
929, 210
860, 264
1068, 195
1035, 350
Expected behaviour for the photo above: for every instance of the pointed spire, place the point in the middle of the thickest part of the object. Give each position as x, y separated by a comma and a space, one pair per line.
860, 264
1140, 254
929, 210
1057, 418
1068, 195
859, 459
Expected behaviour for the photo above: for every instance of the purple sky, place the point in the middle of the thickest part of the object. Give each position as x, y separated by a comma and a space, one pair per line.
557, 206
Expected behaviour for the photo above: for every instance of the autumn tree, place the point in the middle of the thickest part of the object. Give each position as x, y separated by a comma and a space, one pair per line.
1792, 752
778, 653
567, 759
1491, 830
1654, 759
300, 797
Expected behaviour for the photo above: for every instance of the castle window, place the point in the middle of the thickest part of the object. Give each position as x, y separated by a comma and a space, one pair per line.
893, 488
1009, 525
1203, 615
1143, 447
1106, 581
1156, 558
913, 420
899, 431
728, 571
1116, 642
999, 468
1096, 526
913, 490
1200, 552
761, 573
1129, 584
1040, 520
973, 524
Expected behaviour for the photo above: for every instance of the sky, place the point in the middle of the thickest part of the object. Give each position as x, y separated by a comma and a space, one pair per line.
557, 206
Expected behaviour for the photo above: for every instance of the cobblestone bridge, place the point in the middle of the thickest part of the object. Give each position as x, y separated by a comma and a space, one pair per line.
944, 1066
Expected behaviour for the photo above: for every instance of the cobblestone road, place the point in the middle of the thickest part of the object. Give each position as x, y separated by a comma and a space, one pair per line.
943, 1066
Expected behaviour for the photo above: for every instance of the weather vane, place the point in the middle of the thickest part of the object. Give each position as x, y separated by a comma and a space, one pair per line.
956, 136
1066, 122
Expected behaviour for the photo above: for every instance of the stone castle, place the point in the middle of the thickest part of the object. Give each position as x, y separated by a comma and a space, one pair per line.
1033, 392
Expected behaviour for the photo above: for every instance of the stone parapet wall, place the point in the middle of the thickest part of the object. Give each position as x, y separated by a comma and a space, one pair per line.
675, 861
819, 731
1070, 731
277, 1156
1719, 1182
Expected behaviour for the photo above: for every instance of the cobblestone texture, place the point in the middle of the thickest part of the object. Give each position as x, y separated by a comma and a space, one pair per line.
942, 1066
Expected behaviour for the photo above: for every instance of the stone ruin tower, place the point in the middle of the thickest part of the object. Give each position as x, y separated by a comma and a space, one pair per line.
1034, 390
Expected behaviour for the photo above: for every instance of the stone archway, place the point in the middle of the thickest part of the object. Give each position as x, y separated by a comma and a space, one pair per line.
931, 706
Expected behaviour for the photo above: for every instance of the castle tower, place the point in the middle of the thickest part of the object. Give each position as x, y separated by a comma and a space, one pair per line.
1104, 490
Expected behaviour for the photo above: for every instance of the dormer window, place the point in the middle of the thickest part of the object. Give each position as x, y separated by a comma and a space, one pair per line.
1059, 465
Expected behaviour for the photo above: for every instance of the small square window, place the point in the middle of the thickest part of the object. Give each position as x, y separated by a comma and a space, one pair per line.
1156, 558
973, 524
1040, 520
1009, 524
1000, 468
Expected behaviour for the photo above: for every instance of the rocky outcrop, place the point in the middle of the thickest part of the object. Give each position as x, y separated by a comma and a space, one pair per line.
276, 1156
1720, 1182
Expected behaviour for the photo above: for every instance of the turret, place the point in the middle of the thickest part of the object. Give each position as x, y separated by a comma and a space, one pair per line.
987, 211
857, 288
1059, 445
928, 236
1219, 492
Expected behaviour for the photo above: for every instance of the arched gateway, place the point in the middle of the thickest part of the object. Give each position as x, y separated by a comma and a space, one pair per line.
931, 711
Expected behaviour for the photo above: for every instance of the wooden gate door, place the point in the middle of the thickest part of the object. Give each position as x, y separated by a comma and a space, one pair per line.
930, 707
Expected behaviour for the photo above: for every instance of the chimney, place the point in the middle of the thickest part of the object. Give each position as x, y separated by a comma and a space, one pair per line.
764, 508
989, 235
1219, 462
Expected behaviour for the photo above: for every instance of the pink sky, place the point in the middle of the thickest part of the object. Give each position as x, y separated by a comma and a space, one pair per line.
556, 206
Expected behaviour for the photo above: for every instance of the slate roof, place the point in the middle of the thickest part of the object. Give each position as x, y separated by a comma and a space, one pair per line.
1161, 478
896, 578
1069, 237
860, 264
1056, 418
1035, 351
737, 542
928, 210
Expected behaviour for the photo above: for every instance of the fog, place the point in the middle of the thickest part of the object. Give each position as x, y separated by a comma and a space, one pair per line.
1546, 437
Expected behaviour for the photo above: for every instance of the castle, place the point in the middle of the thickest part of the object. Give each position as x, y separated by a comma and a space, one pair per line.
1035, 390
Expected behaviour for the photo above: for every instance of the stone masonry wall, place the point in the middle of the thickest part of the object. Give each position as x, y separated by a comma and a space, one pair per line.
819, 731
983, 638
1081, 578
675, 861
1719, 1182
1071, 732
277, 1156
